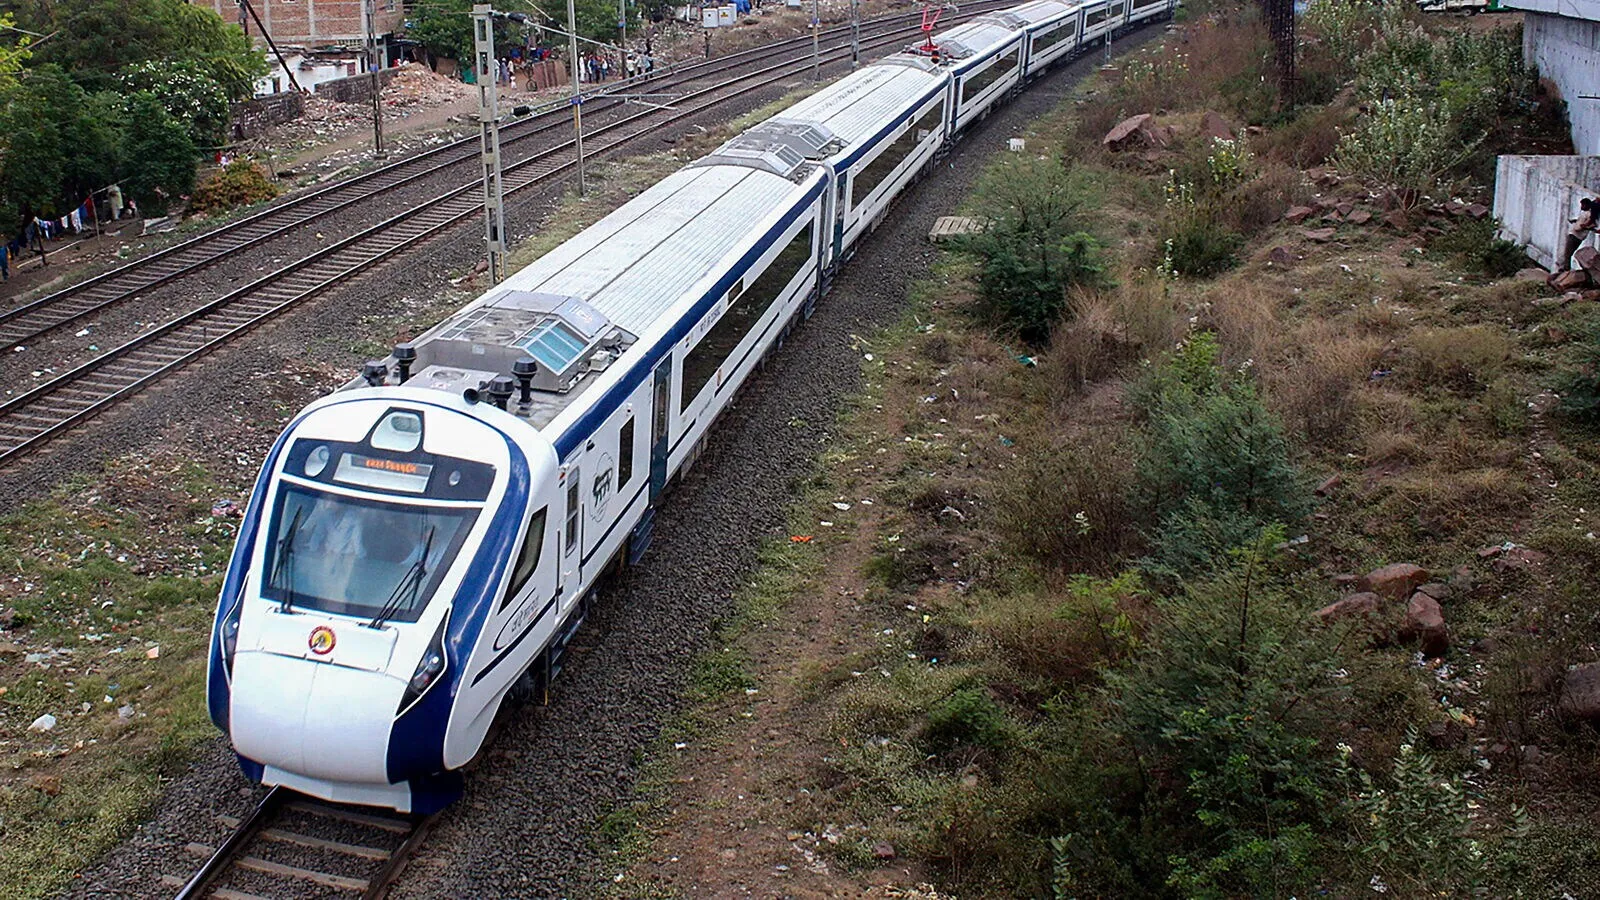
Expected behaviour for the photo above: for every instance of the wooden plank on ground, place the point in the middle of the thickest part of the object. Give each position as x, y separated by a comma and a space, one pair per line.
256, 864
344, 815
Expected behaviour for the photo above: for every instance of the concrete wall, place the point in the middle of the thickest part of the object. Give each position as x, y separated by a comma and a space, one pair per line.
1535, 196
1567, 51
252, 117
353, 89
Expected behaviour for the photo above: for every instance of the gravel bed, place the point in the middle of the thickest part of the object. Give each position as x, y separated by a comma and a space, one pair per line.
526, 826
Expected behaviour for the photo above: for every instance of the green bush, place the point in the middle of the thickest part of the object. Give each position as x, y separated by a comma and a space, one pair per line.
1035, 247
1579, 381
167, 155
1066, 506
1478, 246
969, 717
239, 183
1192, 238
1214, 467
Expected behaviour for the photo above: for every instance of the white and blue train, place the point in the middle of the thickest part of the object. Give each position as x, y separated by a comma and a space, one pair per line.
426, 539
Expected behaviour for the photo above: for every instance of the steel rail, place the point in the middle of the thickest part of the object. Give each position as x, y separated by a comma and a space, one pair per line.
219, 862
33, 417
36, 318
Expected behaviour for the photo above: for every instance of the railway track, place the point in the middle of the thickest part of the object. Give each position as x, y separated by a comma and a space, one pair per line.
294, 847
32, 418
29, 321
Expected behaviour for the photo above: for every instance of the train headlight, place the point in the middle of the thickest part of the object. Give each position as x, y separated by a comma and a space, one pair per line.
228, 631
429, 668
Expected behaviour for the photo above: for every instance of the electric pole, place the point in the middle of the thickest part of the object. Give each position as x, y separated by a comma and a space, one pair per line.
494, 214
577, 95
622, 25
855, 33
816, 53
374, 67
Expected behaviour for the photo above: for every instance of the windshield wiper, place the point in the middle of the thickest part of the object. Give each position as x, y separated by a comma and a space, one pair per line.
405, 592
283, 564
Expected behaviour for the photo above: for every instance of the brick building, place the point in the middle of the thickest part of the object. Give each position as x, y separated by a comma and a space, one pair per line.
315, 24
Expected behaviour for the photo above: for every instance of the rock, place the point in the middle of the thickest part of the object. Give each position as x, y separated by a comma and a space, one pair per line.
1396, 219
1455, 208
1346, 580
1580, 692
1588, 258
1298, 214
1519, 558
1530, 274
1333, 217
1424, 623
1359, 217
1570, 280
1436, 589
1362, 604
1395, 581
49, 785
1490, 552
1591, 295
883, 850
1326, 487
1213, 125
1319, 235
1477, 210
1345, 209
45, 722
1281, 256
1118, 137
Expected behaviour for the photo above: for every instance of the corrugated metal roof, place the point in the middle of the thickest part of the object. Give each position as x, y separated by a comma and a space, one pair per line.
855, 107
974, 39
1043, 10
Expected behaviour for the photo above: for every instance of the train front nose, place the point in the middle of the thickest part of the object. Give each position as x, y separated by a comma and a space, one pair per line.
312, 718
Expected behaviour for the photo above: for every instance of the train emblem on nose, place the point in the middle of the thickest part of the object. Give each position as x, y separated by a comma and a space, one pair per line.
322, 640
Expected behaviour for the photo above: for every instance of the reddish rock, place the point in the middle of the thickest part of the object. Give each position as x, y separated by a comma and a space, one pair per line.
1281, 256
1298, 214
1345, 208
1455, 208
1424, 623
1519, 558
1119, 135
1580, 692
1396, 219
1588, 259
1490, 552
1570, 280
1320, 235
1345, 580
1436, 589
1591, 295
1359, 217
1215, 126
1362, 604
1395, 581
1326, 487
1332, 217
1531, 274
883, 850
1477, 210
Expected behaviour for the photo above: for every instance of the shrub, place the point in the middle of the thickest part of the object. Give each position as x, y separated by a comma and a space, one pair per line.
968, 717
1406, 141
1065, 506
1478, 246
167, 156
1463, 359
1214, 465
1035, 247
1107, 329
239, 183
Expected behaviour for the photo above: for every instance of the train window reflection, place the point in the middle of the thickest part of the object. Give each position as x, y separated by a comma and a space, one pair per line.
359, 557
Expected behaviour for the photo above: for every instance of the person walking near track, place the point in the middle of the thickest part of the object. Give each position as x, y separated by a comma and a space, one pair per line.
1582, 227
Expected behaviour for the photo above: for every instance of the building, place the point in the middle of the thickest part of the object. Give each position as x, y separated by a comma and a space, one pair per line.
321, 39
1534, 196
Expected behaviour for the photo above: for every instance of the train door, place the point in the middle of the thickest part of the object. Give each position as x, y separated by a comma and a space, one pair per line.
572, 536
660, 403
840, 203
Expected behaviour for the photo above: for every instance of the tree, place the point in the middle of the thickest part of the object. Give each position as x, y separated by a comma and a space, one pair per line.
63, 142
189, 94
96, 39
165, 156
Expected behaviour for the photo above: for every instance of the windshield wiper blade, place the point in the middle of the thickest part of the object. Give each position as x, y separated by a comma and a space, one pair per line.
283, 565
405, 591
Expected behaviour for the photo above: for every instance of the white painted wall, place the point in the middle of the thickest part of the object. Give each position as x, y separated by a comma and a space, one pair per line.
1567, 51
1535, 196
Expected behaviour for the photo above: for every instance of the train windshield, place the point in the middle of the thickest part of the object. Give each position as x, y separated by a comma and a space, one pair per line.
359, 557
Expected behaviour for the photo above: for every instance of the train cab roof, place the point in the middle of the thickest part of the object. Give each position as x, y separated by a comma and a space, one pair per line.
579, 309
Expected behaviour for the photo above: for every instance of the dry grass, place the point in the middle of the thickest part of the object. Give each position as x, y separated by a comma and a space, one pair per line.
1110, 329
1316, 386
1464, 359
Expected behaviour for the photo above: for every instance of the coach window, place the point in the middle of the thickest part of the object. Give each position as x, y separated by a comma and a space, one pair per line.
702, 362
625, 454
1060, 33
868, 179
572, 511
1095, 18
972, 87
528, 561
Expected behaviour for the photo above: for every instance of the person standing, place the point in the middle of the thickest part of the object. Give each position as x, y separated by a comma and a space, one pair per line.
1582, 227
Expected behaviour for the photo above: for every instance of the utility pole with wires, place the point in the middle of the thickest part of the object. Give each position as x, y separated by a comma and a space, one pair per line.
577, 95
855, 33
816, 39
374, 70
487, 75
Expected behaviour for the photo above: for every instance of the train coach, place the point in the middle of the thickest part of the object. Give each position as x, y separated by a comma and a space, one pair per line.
424, 542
